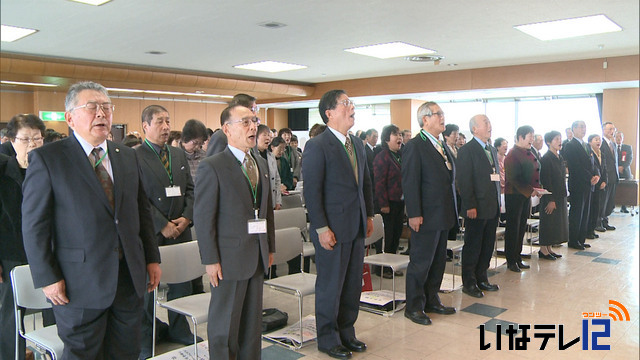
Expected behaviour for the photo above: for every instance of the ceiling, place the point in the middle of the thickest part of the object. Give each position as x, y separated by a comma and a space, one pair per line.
213, 36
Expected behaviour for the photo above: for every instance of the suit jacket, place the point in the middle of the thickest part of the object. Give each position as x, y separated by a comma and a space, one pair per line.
610, 162
474, 180
429, 187
7, 149
371, 155
217, 143
333, 196
580, 166
295, 163
387, 178
11, 179
625, 157
552, 177
223, 205
70, 230
274, 179
156, 179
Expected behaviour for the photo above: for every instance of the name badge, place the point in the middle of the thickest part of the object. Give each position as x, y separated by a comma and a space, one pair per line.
495, 177
257, 226
173, 191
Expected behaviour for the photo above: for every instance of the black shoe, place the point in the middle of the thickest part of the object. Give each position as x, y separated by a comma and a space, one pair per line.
355, 345
398, 273
184, 340
624, 210
591, 236
387, 274
486, 286
596, 235
546, 257
600, 229
337, 352
586, 245
144, 354
577, 247
440, 309
522, 265
609, 227
555, 255
525, 256
514, 267
472, 291
405, 253
418, 317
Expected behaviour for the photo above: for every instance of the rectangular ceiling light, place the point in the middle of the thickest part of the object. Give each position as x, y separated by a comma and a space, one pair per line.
270, 66
10, 33
390, 50
568, 28
92, 2
26, 83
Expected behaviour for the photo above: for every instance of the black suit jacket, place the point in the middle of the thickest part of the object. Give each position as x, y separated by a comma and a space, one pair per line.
580, 166
7, 149
610, 162
71, 232
223, 205
332, 195
625, 156
156, 179
474, 180
217, 143
11, 179
428, 185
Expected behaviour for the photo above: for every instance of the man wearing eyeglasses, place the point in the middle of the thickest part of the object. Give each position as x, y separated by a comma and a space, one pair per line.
218, 141
233, 217
339, 199
167, 182
88, 232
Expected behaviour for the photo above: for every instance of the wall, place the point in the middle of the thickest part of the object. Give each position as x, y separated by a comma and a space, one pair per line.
620, 106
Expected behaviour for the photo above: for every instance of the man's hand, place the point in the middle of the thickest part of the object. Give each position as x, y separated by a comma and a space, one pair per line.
215, 272
472, 213
385, 210
415, 222
327, 239
56, 292
270, 259
369, 226
154, 271
603, 185
182, 223
1, 274
551, 206
278, 207
283, 188
595, 179
170, 231
620, 170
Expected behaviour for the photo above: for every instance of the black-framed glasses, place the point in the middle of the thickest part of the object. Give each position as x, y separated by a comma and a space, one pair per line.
246, 121
93, 106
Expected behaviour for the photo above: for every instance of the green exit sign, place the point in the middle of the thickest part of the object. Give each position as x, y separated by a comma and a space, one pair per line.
52, 115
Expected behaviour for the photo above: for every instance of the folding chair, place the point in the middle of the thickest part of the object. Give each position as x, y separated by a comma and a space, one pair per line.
291, 201
288, 246
181, 263
295, 217
26, 296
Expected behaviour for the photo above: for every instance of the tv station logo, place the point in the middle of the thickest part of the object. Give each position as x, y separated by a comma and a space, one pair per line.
596, 327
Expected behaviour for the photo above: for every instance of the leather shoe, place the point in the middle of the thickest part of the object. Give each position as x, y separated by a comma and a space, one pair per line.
418, 317
600, 229
337, 352
609, 227
590, 236
522, 265
440, 309
546, 257
577, 247
472, 291
486, 286
355, 345
514, 267
185, 340
586, 245
555, 255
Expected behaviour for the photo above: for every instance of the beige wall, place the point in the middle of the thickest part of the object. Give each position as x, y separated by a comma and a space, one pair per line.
620, 106
403, 114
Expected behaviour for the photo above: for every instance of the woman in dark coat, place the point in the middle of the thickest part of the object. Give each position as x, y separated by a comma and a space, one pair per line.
597, 193
554, 220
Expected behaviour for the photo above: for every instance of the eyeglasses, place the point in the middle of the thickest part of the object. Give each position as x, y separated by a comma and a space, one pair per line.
246, 121
255, 109
346, 103
439, 114
92, 106
25, 141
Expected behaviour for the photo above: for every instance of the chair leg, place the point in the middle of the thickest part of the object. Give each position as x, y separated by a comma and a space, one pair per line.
299, 295
195, 337
153, 327
393, 288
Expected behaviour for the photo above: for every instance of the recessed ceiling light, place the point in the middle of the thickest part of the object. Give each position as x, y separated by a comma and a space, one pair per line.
92, 2
26, 83
10, 33
272, 25
270, 66
568, 28
424, 58
390, 50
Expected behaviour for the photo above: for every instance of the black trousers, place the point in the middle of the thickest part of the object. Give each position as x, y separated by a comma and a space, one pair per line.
393, 225
518, 207
596, 212
479, 241
111, 333
579, 217
609, 202
427, 260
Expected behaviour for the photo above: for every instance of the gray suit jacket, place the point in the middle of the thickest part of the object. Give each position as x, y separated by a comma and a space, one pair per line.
156, 179
71, 232
474, 180
217, 143
610, 160
223, 205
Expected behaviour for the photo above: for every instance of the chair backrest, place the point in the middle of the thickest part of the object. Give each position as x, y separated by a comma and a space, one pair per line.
294, 217
378, 231
24, 293
288, 245
180, 262
291, 201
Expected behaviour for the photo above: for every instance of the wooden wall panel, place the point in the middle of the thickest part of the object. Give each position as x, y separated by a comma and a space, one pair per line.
620, 106
128, 112
12, 103
185, 111
213, 115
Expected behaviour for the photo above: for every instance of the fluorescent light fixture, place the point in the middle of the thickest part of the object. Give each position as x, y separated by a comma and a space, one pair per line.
26, 83
125, 90
160, 92
270, 66
210, 95
92, 2
10, 33
390, 50
568, 28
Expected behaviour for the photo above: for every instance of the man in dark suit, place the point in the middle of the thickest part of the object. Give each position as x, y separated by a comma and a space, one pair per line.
478, 178
88, 232
536, 146
428, 183
218, 141
338, 194
569, 134
581, 181
610, 163
233, 216
625, 157
167, 182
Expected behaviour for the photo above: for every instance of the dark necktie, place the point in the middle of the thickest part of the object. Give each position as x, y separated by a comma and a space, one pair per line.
352, 157
165, 160
619, 149
103, 174
250, 167
487, 150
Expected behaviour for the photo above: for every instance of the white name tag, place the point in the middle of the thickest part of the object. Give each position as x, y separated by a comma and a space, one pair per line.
257, 226
495, 177
172, 191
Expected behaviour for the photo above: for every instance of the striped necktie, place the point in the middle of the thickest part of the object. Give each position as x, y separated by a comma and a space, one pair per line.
165, 159
348, 145
251, 168
103, 174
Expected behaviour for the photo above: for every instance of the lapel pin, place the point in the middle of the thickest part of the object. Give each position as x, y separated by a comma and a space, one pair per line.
117, 150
